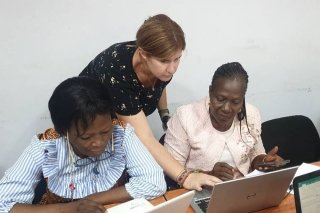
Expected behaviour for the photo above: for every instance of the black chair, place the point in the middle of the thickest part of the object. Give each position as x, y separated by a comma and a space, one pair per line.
296, 136
161, 140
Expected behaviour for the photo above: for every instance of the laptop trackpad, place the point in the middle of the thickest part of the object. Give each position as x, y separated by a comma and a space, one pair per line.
203, 194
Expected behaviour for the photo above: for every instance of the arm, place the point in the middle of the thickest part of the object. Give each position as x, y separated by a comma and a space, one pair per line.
177, 144
146, 176
116, 195
259, 155
163, 109
162, 104
254, 122
80, 206
144, 133
18, 184
176, 140
166, 161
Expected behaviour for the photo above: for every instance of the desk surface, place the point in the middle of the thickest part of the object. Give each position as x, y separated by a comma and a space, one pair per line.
287, 205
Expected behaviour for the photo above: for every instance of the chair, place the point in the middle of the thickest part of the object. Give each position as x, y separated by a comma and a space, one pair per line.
161, 140
296, 136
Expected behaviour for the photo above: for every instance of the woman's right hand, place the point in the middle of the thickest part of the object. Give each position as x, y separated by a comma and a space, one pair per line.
86, 205
223, 171
197, 180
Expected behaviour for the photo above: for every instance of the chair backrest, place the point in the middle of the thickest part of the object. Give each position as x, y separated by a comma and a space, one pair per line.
296, 136
161, 140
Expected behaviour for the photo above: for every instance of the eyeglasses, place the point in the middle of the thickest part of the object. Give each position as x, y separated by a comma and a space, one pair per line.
86, 161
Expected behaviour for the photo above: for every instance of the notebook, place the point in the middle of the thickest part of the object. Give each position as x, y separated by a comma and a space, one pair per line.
247, 194
307, 192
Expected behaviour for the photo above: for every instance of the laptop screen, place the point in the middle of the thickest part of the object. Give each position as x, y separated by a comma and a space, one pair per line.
307, 192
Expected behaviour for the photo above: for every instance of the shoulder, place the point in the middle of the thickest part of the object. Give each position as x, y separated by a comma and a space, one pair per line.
49, 134
120, 50
122, 130
253, 115
252, 111
49, 141
194, 109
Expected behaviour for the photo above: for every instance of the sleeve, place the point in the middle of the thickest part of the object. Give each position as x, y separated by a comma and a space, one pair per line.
20, 181
255, 118
176, 140
146, 176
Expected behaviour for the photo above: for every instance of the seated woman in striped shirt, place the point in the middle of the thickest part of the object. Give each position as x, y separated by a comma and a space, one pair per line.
84, 158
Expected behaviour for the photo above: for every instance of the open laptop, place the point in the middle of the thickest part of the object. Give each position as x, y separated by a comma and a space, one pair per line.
245, 194
178, 204
307, 192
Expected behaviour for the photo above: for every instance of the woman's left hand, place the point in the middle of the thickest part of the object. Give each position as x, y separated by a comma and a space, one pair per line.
198, 180
271, 157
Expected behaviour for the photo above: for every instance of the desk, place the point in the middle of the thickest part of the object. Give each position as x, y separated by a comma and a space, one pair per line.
287, 205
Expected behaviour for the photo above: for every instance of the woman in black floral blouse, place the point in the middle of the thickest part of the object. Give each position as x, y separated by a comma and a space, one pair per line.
136, 74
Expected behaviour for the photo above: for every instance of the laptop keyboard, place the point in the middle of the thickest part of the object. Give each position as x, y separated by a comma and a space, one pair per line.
203, 203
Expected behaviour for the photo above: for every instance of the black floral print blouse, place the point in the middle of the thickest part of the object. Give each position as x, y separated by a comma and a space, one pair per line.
113, 67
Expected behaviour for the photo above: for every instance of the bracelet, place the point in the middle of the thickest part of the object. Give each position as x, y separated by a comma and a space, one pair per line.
163, 112
181, 178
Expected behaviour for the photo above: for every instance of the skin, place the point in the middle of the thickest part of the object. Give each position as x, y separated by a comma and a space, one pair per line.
157, 68
163, 100
90, 142
226, 100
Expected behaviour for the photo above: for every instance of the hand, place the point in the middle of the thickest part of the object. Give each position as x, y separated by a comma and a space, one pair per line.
270, 157
197, 180
223, 171
164, 120
85, 205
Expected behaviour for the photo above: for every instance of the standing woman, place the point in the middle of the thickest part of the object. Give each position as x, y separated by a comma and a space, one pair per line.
136, 74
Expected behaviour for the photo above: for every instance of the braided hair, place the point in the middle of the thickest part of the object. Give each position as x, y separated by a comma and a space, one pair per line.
233, 70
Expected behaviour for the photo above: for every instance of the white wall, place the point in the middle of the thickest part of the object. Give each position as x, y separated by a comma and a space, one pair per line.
43, 42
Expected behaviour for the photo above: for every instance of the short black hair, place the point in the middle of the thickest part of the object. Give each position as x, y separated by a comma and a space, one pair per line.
78, 100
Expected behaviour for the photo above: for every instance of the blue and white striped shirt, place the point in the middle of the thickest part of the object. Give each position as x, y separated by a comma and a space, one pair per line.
51, 158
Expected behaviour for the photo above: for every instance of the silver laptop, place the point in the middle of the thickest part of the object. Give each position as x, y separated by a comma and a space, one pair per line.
245, 194
177, 205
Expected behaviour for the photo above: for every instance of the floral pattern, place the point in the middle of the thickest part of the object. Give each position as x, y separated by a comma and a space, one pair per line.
113, 67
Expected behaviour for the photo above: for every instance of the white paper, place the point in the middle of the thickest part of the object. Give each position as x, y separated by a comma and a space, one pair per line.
254, 173
304, 168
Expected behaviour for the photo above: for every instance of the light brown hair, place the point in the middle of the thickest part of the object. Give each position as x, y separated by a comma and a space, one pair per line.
160, 36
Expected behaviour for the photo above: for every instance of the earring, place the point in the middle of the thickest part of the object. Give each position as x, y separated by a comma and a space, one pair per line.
67, 137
